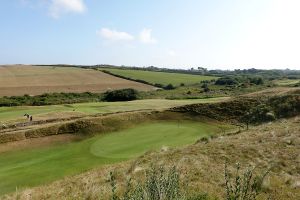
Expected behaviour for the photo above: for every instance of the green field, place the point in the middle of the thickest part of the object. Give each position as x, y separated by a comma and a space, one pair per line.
286, 82
163, 78
16, 113
31, 167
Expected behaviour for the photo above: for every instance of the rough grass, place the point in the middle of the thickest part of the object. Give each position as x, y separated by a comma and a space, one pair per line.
163, 78
31, 167
34, 80
60, 111
279, 105
274, 145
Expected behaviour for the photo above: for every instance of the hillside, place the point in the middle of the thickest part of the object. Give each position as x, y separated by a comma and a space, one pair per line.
273, 145
197, 138
163, 78
33, 80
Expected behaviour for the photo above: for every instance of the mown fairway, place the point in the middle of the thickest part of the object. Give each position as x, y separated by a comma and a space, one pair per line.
33, 80
160, 77
31, 167
56, 111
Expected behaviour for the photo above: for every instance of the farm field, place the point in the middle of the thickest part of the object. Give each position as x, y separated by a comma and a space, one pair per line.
33, 80
163, 78
58, 111
30, 167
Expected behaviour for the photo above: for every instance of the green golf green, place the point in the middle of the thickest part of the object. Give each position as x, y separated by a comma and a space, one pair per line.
31, 167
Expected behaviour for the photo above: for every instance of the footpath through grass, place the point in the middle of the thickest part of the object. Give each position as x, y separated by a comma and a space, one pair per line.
17, 113
31, 167
163, 78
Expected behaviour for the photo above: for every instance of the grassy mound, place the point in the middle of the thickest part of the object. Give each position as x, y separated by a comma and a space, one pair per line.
249, 109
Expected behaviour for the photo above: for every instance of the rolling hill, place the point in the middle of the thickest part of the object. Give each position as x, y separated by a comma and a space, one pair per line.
33, 80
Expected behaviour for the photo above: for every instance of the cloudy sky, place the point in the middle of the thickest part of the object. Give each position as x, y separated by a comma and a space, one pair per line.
224, 34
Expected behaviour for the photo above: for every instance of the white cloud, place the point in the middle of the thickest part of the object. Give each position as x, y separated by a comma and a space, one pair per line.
146, 37
114, 35
59, 7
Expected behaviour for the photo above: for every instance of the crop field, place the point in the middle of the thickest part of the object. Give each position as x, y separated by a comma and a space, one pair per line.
163, 78
56, 111
34, 80
34, 166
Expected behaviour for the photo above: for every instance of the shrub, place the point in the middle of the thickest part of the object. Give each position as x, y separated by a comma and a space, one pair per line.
50, 99
128, 94
169, 87
226, 81
285, 106
245, 186
158, 85
164, 184
160, 184
205, 87
256, 80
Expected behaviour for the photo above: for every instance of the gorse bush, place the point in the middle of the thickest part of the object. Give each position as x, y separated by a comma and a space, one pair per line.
128, 94
275, 107
169, 87
286, 106
226, 81
235, 80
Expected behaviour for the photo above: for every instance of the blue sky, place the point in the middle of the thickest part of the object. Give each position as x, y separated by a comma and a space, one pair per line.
225, 34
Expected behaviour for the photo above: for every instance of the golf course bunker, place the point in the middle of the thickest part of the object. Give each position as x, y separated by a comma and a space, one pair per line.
133, 142
36, 166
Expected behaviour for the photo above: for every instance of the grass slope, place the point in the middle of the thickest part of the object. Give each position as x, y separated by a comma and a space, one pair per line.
273, 146
163, 78
55, 111
33, 80
32, 167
